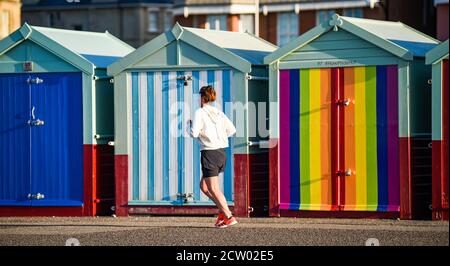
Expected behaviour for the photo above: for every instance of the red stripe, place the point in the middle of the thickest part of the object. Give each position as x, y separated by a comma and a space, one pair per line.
334, 137
341, 138
121, 177
405, 178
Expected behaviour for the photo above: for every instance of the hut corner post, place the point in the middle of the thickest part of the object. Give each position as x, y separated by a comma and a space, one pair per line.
405, 142
121, 142
274, 204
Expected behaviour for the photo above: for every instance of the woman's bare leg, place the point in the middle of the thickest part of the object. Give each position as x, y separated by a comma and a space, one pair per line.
221, 202
204, 189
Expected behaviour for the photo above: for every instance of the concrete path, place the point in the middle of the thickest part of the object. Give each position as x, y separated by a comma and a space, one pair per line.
199, 231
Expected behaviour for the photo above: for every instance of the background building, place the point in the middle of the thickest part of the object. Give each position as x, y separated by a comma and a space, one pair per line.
9, 16
134, 21
441, 19
280, 21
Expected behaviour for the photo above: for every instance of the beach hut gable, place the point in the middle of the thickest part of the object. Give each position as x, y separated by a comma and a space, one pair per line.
28, 33
437, 54
183, 47
397, 39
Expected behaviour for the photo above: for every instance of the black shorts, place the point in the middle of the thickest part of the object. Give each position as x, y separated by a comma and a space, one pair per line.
213, 162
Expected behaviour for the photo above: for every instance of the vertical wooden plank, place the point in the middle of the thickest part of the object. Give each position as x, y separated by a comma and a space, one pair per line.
360, 137
314, 135
325, 139
382, 130
371, 139
349, 139
393, 139
284, 139
305, 187
294, 103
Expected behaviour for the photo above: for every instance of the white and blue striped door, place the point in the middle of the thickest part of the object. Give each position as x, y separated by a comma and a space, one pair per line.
165, 161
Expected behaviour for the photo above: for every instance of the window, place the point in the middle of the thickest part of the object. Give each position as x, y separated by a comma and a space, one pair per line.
4, 24
216, 22
247, 23
153, 21
168, 20
353, 12
288, 28
324, 15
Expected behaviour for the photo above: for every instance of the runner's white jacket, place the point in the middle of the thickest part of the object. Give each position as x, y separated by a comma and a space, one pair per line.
212, 128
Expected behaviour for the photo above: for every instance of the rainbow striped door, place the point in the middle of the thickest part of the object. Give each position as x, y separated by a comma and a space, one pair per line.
339, 139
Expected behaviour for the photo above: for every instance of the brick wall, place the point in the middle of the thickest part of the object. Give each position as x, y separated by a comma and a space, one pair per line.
442, 22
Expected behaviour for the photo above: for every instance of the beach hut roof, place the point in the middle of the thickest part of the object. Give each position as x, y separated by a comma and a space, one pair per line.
438, 53
238, 50
394, 37
85, 50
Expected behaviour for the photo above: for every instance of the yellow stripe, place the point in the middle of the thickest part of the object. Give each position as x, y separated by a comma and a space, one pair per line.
360, 138
314, 129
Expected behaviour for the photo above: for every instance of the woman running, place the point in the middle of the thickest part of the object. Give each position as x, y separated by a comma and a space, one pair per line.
213, 128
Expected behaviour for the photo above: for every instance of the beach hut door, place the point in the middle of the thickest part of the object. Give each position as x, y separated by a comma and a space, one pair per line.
339, 147
41, 161
165, 159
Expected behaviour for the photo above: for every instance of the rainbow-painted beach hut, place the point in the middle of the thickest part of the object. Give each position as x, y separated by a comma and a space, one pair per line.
350, 136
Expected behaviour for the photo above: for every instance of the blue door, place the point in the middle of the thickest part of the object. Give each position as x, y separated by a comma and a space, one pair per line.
57, 140
14, 140
53, 146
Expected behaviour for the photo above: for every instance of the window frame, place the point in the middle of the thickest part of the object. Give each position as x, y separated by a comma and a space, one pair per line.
289, 31
156, 29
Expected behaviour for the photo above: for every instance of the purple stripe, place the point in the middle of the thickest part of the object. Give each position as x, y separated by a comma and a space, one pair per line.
393, 139
284, 140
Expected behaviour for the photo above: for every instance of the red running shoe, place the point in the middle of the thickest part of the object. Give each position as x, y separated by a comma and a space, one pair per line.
220, 218
227, 222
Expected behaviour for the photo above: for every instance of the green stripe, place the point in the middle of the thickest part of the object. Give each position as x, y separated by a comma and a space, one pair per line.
371, 138
305, 198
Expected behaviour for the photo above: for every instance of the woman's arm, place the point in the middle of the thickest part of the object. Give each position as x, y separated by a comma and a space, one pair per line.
197, 125
229, 127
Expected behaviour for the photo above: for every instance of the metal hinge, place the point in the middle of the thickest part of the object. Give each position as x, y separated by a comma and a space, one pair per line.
38, 196
35, 81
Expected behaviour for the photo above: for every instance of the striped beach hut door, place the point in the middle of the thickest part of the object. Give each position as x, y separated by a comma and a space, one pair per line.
339, 139
165, 160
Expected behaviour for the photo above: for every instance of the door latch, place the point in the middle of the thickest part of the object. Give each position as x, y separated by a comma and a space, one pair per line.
347, 172
33, 121
187, 197
35, 81
345, 102
185, 79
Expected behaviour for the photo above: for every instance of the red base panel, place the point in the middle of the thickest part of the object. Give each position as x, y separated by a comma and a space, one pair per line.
40, 211
340, 214
274, 196
121, 177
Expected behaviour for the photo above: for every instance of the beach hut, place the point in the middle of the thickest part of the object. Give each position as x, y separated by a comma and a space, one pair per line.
56, 116
438, 58
157, 165
351, 133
